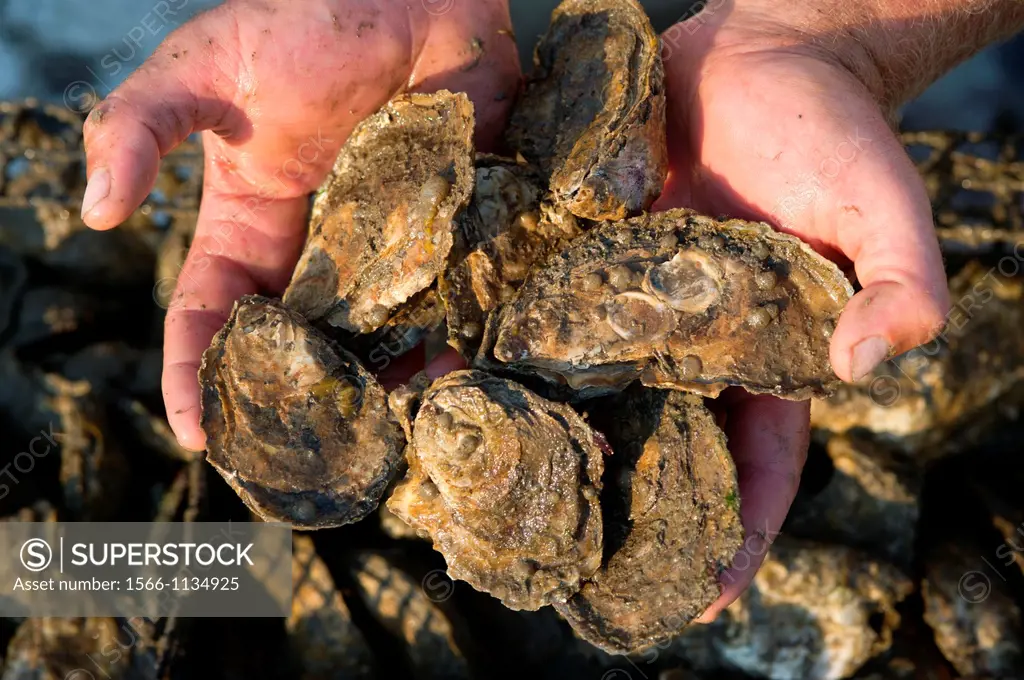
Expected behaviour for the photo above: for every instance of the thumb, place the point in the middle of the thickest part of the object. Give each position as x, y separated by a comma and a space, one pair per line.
153, 111
884, 225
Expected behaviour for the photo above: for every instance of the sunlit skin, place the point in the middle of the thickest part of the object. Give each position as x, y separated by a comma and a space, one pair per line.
760, 126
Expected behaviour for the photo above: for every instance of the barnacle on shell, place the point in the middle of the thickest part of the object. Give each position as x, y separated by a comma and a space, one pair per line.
293, 423
506, 484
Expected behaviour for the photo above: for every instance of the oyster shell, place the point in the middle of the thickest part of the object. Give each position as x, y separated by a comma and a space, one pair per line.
384, 219
293, 423
682, 301
502, 233
408, 608
506, 484
671, 516
935, 399
592, 115
839, 603
321, 634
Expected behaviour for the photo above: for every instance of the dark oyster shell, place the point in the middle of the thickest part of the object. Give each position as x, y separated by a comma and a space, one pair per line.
682, 301
321, 634
382, 224
671, 516
506, 484
593, 112
502, 233
407, 608
293, 423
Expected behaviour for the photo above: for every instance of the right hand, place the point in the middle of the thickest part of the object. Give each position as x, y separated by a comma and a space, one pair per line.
276, 89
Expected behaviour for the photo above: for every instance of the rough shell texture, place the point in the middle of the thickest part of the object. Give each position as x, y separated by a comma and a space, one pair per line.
61, 648
837, 602
406, 329
593, 112
383, 223
504, 231
937, 398
321, 634
293, 423
506, 484
977, 623
871, 501
682, 301
402, 604
671, 517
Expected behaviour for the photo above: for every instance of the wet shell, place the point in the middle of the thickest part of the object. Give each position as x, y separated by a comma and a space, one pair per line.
690, 312
502, 233
382, 224
506, 484
293, 423
593, 112
671, 516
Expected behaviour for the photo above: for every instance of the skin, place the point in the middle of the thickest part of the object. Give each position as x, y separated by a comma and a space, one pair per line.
777, 111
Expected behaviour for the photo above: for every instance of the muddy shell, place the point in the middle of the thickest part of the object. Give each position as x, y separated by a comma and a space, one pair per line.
592, 115
506, 229
293, 423
408, 608
839, 603
506, 484
951, 392
383, 222
671, 517
321, 634
681, 301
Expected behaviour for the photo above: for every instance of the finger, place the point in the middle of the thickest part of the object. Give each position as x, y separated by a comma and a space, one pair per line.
178, 90
447, 361
768, 439
242, 245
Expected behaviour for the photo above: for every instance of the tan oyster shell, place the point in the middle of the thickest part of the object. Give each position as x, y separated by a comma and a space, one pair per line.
502, 233
506, 484
671, 516
593, 112
383, 222
682, 301
293, 423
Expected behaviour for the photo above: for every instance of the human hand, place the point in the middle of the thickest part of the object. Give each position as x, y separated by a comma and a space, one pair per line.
276, 88
767, 125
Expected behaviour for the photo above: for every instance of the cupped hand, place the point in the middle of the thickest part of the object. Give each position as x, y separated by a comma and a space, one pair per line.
276, 88
765, 124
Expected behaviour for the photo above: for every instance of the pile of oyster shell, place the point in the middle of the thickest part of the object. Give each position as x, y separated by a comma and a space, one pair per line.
575, 463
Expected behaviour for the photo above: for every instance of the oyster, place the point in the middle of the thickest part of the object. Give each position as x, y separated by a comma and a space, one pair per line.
504, 231
67, 648
384, 219
293, 423
671, 517
506, 484
871, 501
838, 603
681, 301
408, 609
937, 398
322, 636
592, 115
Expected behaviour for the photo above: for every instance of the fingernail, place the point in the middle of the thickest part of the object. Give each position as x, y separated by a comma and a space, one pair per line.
96, 190
867, 354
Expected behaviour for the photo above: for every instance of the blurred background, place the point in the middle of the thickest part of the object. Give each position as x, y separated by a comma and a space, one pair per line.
47, 44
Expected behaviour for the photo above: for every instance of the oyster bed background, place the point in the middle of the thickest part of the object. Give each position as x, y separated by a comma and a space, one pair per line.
912, 571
